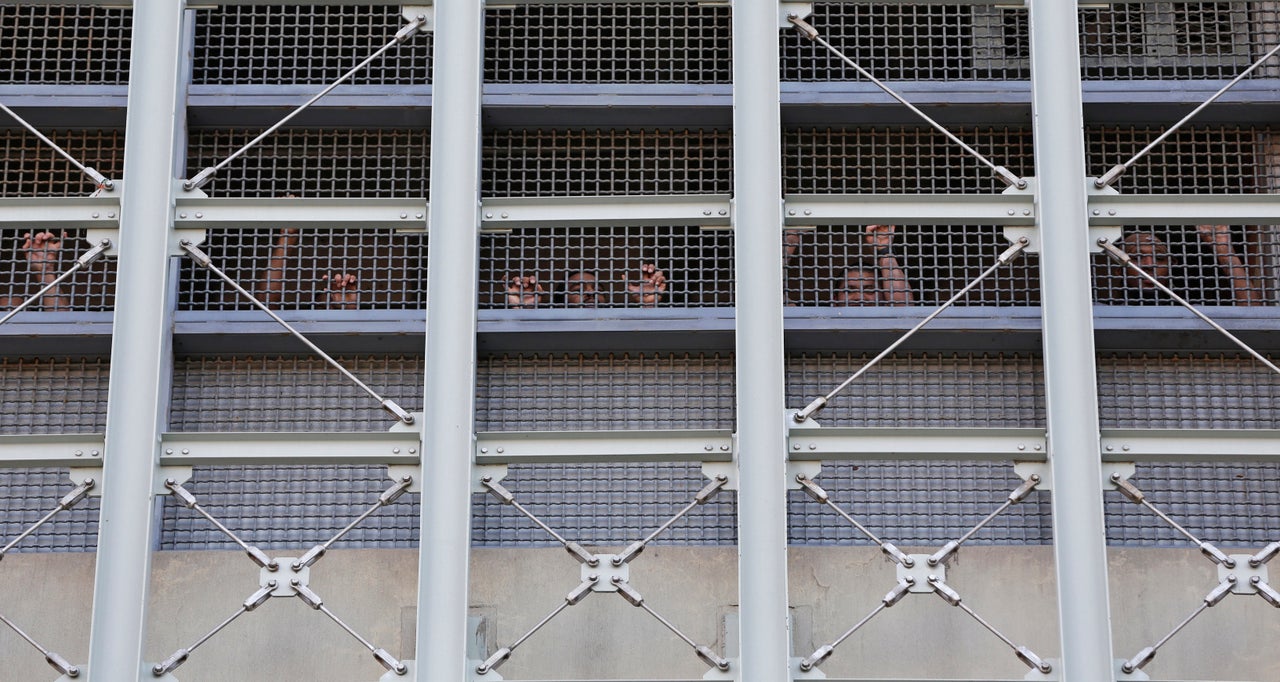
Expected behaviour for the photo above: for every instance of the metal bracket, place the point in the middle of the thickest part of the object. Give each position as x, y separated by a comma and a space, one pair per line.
424, 13
1096, 232
283, 577
1015, 233
1247, 575
1035, 674
179, 474
814, 673
729, 470
1045, 471
807, 469
196, 236
1122, 676
79, 474
607, 575
786, 10
919, 573
493, 472
397, 472
410, 673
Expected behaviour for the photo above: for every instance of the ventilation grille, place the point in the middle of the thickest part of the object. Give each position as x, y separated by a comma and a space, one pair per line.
64, 45
29, 168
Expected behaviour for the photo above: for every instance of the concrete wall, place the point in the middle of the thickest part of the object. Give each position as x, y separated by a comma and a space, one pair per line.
605, 637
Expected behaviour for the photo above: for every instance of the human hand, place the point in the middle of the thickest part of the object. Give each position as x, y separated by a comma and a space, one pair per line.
42, 250
1216, 236
648, 291
879, 236
790, 242
342, 290
524, 292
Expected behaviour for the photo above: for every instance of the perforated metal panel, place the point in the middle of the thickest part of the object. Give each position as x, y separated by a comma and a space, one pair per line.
342, 269
554, 162
29, 260
64, 45
278, 45
289, 393
923, 265
633, 267
315, 163
29, 168
899, 159
615, 391
679, 42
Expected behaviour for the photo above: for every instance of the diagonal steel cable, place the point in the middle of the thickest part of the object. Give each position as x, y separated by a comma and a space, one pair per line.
51, 657
822, 653
189, 501
702, 497
202, 259
1135, 495
387, 497
633, 597
1019, 494
98, 178
1212, 599
82, 262
505, 496
68, 501
949, 595
1004, 258
808, 31
180, 656
1119, 256
401, 36
1116, 171
382, 656
575, 596
815, 491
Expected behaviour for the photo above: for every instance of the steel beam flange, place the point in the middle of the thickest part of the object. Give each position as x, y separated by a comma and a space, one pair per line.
195, 236
1042, 469
1247, 576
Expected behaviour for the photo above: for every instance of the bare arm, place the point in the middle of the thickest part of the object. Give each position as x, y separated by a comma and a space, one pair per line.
1218, 238
271, 288
896, 291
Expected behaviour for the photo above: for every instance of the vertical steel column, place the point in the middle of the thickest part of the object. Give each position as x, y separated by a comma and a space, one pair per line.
1071, 393
137, 398
757, 223
449, 422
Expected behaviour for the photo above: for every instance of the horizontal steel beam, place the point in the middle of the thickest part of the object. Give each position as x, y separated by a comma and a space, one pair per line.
193, 212
845, 443
1190, 445
711, 445
708, 210
909, 209
51, 450
375, 447
1188, 209
67, 213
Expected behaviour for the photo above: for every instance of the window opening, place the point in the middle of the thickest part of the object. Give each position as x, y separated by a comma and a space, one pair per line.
42, 270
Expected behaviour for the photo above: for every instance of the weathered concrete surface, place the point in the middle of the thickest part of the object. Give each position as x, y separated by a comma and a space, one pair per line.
605, 637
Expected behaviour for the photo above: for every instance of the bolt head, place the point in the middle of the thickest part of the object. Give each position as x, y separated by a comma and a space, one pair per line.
199, 215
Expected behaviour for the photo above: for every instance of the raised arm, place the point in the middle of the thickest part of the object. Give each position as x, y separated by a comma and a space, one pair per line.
1218, 239
894, 287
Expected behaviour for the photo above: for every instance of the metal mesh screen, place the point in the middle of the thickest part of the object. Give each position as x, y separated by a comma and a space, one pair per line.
924, 265
289, 393
29, 168
64, 45
899, 159
340, 269
679, 42
26, 495
315, 163
281, 44
1186, 391
615, 391
607, 267
554, 162
1202, 159
30, 260
1225, 503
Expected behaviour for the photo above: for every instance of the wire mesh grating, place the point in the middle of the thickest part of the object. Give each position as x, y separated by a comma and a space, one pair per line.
1205, 264
27, 495
64, 44
29, 168
30, 260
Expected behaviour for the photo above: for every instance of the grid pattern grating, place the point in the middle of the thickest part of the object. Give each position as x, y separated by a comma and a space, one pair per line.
1187, 392
26, 495
679, 42
64, 45
280, 44
53, 395
315, 163
604, 392
1226, 504
553, 162
29, 261
1198, 159
607, 267
28, 168
341, 269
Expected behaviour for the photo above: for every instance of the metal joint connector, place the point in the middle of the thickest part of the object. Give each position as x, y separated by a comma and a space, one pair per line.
816, 658
709, 491
1267, 554
1267, 593
803, 26
169, 664
902, 589
394, 492
1031, 659
711, 658
390, 406
260, 558
1014, 250
897, 555
809, 410
1220, 592
200, 179
261, 596
1216, 555
491, 663
1144, 657
1020, 493
184, 496
632, 551
93, 254
499, 493
1009, 178
383, 657
1113, 251
812, 489
77, 493
410, 30
61, 664
943, 590
581, 554
200, 257
1110, 176
942, 555
626, 591
581, 592
307, 596
1129, 490
313, 555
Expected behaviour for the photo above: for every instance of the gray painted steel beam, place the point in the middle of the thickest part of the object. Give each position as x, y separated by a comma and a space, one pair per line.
197, 213
917, 444
1190, 445
1187, 209
137, 397
68, 213
764, 631
603, 446
449, 404
910, 209
48, 450
1071, 394
231, 448
711, 210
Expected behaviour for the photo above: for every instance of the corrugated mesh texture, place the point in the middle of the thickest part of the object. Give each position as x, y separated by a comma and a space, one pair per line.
900, 159
607, 267
283, 508
293, 393
47, 396
282, 44
339, 269
678, 42
314, 163
852, 265
29, 168
577, 162
64, 45
1187, 391
1195, 159
1233, 505
923, 389
30, 260
603, 392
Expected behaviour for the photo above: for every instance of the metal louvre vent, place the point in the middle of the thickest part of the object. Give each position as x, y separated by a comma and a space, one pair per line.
339, 269
604, 506
315, 163
289, 393
28, 168
1187, 392
548, 162
926, 265
53, 395
26, 495
899, 160
680, 42
924, 390
615, 391
281, 44
607, 267
64, 45
290, 507
1203, 159
30, 260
